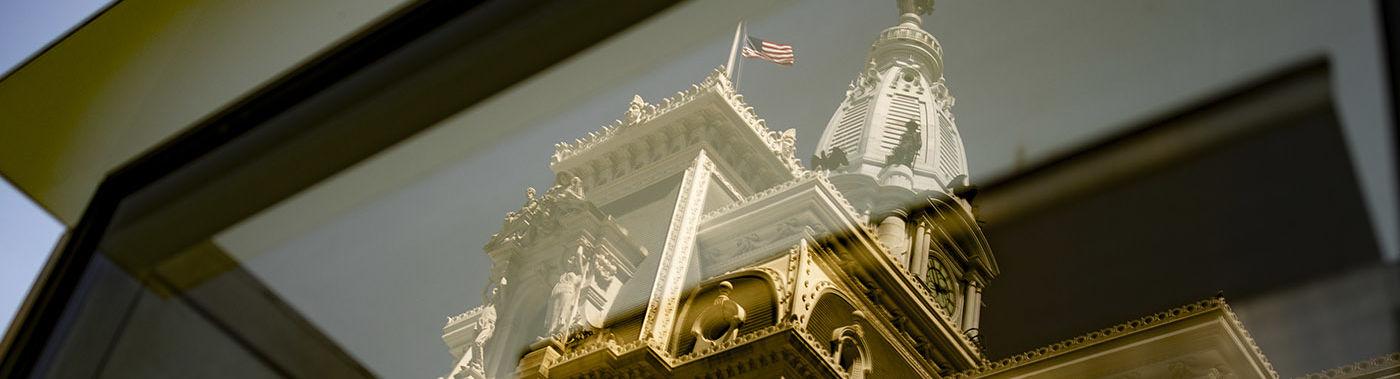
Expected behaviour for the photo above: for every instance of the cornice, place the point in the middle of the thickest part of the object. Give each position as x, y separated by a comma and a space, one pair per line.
1109, 333
730, 344
607, 342
1384, 362
451, 320
1248, 339
805, 176
783, 145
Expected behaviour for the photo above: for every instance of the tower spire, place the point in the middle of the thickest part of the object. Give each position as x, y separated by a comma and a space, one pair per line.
899, 94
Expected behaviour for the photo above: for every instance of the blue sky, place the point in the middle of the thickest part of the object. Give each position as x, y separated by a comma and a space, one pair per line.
27, 235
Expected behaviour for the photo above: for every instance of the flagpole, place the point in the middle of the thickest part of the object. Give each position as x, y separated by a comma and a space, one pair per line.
732, 65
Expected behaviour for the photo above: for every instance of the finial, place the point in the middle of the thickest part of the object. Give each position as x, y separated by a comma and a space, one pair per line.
916, 7
910, 10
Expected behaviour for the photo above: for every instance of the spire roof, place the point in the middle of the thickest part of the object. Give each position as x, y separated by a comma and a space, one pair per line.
900, 92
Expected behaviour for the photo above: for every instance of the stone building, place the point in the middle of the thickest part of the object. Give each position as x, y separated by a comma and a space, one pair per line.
687, 240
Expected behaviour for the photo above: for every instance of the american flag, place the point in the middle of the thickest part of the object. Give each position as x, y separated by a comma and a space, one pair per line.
755, 47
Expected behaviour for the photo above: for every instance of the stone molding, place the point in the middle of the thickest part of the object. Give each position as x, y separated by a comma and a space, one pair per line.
1370, 366
1105, 334
675, 256
639, 113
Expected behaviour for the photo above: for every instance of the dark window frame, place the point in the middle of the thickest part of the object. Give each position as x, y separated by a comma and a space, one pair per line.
294, 118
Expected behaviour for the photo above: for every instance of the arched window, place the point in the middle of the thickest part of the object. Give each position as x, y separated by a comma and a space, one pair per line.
848, 349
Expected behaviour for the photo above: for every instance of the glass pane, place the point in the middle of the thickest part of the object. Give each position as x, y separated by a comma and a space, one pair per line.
804, 189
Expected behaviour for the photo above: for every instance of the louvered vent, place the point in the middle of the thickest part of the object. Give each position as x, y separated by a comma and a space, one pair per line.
949, 151
848, 132
829, 313
903, 107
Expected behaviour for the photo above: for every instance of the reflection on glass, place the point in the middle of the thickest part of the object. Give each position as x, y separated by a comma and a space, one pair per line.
686, 238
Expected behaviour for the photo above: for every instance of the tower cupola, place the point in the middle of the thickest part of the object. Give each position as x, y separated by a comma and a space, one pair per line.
899, 106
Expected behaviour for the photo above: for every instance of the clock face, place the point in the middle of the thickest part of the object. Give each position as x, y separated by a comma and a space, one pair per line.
941, 281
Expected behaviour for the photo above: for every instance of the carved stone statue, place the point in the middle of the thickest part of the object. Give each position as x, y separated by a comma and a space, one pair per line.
908, 147
536, 216
943, 97
564, 296
604, 267
787, 142
634, 110
830, 160
871, 76
472, 363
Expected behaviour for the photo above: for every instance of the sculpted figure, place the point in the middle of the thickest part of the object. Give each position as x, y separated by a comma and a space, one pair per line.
567, 185
472, 359
943, 97
634, 109
564, 295
472, 363
788, 141
908, 147
530, 201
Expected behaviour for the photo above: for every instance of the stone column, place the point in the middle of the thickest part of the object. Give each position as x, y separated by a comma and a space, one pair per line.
895, 236
919, 261
969, 306
959, 303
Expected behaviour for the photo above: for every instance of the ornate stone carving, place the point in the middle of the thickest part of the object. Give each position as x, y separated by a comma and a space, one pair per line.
1128, 327
719, 322
639, 113
848, 348
659, 321
787, 142
563, 297
829, 160
484, 326
944, 98
908, 147
605, 268
635, 110
1370, 366
538, 214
